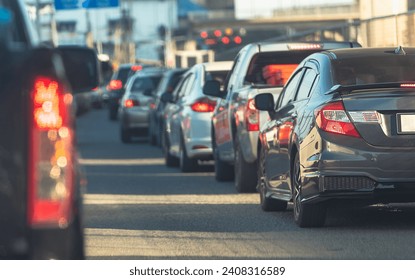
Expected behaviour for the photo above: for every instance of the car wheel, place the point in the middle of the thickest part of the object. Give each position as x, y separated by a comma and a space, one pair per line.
245, 173
151, 134
267, 203
186, 164
113, 112
169, 160
125, 136
305, 215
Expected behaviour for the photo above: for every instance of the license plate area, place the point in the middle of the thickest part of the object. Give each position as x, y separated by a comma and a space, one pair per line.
406, 123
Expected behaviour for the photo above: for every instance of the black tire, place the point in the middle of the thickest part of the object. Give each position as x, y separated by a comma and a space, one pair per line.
112, 114
223, 171
151, 134
186, 164
169, 160
246, 177
305, 215
267, 203
125, 136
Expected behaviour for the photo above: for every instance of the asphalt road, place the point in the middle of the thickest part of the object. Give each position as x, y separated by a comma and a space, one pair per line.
137, 208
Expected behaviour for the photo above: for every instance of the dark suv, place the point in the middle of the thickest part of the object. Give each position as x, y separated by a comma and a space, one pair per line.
40, 189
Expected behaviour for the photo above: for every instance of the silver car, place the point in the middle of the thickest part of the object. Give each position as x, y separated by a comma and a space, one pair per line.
136, 103
187, 136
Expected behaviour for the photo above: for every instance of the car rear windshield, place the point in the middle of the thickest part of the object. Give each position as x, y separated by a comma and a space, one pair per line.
374, 69
274, 68
145, 83
216, 75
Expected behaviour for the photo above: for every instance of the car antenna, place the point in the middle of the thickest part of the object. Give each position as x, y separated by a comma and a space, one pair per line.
400, 50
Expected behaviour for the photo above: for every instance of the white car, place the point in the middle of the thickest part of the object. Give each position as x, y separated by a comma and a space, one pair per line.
136, 102
187, 131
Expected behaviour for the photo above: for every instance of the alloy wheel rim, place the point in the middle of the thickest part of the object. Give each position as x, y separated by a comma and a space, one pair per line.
262, 191
237, 169
297, 189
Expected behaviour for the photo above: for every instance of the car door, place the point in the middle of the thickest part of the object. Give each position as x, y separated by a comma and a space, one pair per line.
278, 132
176, 112
222, 120
291, 124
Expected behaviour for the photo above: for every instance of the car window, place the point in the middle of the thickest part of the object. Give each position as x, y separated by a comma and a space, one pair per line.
288, 94
187, 88
144, 83
178, 93
306, 84
19, 34
374, 69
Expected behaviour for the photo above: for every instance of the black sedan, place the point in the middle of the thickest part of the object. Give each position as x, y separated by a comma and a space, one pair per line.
343, 128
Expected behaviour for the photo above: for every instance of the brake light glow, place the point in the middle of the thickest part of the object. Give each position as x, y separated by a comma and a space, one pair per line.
408, 85
115, 85
204, 105
333, 118
251, 116
50, 167
136, 68
131, 103
304, 46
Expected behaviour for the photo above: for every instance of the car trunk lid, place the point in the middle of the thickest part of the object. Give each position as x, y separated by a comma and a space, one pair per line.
383, 116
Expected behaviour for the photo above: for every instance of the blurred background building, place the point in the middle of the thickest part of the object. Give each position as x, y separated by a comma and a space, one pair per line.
185, 32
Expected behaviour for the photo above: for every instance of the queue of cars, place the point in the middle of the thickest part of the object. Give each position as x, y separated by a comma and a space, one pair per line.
309, 123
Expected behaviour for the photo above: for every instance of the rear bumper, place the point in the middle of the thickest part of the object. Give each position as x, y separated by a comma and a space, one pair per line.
134, 118
352, 169
197, 136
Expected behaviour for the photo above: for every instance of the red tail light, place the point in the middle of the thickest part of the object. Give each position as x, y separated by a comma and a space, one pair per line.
115, 85
50, 184
136, 68
204, 105
131, 103
333, 118
251, 116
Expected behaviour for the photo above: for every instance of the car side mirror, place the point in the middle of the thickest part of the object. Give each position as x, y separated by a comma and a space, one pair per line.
81, 67
166, 97
212, 88
265, 102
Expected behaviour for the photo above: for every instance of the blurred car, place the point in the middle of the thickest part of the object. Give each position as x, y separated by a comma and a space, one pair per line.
83, 101
116, 87
136, 103
342, 129
187, 116
167, 84
99, 93
41, 191
97, 100
262, 67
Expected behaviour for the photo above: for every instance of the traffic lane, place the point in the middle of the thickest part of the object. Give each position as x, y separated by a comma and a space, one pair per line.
242, 231
150, 211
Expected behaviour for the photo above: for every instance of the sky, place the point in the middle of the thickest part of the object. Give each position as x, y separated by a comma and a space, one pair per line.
246, 9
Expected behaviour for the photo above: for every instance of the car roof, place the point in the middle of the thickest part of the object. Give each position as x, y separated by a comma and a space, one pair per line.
217, 65
365, 52
304, 46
